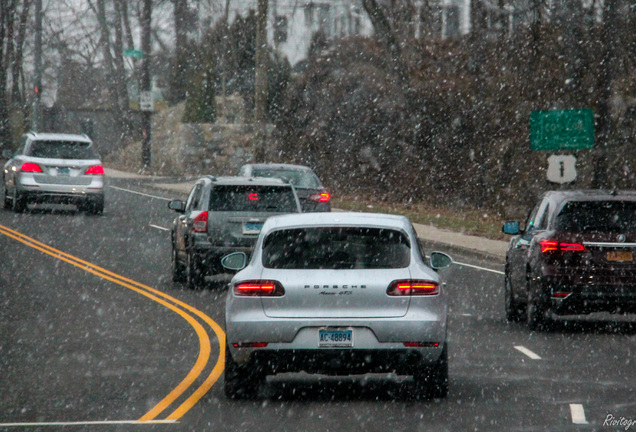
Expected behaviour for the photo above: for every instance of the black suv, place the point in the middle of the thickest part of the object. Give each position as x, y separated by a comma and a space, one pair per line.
223, 215
575, 255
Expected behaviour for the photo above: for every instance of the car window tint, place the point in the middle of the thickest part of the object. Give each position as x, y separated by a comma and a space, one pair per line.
541, 221
194, 198
295, 177
62, 150
336, 248
597, 216
253, 198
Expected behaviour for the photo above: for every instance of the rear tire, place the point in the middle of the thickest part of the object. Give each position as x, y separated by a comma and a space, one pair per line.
94, 206
433, 382
178, 269
7, 201
19, 202
193, 273
241, 382
514, 312
537, 310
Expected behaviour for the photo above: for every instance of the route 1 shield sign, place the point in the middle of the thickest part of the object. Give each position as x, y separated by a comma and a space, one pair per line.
561, 168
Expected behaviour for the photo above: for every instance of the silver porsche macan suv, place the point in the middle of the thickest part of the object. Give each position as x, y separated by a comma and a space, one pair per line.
54, 168
338, 294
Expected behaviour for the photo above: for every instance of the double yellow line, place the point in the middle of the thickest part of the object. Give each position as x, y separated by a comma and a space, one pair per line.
186, 311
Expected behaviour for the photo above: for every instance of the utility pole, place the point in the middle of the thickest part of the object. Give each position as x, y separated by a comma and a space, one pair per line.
36, 122
260, 81
146, 114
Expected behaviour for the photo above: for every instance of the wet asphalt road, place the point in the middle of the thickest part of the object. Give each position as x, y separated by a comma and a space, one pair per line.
94, 336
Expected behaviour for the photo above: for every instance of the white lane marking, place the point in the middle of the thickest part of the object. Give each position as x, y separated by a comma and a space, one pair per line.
87, 423
159, 227
478, 268
140, 193
578, 414
527, 352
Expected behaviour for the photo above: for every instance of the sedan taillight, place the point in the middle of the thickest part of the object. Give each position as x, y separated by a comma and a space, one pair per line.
553, 246
413, 287
259, 288
95, 170
200, 223
320, 197
30, 167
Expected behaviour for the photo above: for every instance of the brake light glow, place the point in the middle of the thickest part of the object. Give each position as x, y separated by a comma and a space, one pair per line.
30, 167
253, 197
552, 245
95, 170
200, 223
320, 197
259, 288
249, 344
413, 287
421, 344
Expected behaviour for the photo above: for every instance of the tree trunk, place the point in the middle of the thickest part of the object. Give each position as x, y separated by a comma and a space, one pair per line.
260, 81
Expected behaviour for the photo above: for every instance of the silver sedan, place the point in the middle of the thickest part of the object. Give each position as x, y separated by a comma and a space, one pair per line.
338, 294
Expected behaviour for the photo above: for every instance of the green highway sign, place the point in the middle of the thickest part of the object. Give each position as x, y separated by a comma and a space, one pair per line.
562, 129
133, 53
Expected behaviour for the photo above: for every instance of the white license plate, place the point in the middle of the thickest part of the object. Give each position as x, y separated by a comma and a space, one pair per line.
63, 172
252, 228
335, 338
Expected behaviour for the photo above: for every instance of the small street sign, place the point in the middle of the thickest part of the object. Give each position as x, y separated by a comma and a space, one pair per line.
146, 101
561, 169
133, 53
562, 129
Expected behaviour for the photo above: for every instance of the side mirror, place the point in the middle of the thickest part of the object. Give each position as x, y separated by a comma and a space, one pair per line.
439, 260
177, 205
234, 261
511, 227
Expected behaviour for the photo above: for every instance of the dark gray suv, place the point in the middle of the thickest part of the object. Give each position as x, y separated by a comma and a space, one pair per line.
223, 215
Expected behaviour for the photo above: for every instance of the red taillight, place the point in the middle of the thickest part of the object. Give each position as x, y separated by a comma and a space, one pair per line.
421, 344
200, 223
320, 197
249, 344
259, 288
253, 197
30, 167
412, 287
95, 170
552, 245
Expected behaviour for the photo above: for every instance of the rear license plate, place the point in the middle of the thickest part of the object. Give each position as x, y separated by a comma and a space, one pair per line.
335, 338
620, 256
63, 172
252, 228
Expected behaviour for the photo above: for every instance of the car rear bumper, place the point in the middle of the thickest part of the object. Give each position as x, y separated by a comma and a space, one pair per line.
345, 361
615, 297
78, 188
286, 338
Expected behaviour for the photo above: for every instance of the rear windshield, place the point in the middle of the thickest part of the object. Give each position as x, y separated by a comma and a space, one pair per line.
597, 216
278, 199
336, 248
62, 150
303, 179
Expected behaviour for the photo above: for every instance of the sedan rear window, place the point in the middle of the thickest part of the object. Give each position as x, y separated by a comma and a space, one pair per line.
597, 216
298, 178
276, 199
62, 150
336, 248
